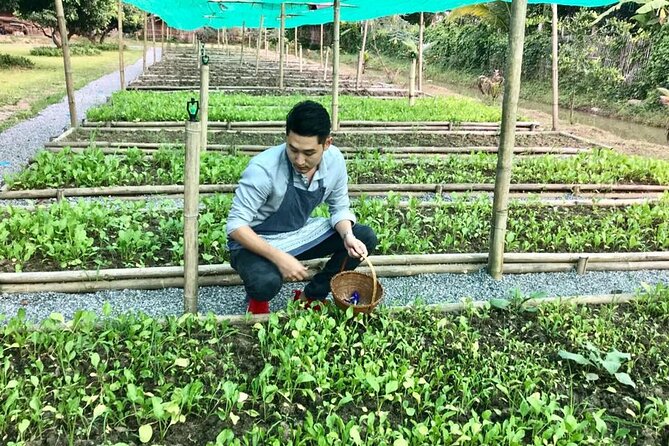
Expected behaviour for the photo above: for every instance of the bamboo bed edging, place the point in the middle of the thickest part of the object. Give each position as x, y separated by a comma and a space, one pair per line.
111, 148
354, 189
591, 142
64, 135
388, 266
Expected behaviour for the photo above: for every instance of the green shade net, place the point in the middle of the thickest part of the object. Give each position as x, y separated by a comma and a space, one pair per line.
194, 14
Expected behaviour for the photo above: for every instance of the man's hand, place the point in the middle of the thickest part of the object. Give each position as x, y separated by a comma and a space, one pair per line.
291, 268
355, 248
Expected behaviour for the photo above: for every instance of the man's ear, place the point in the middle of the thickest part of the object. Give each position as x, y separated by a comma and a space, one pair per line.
327, 143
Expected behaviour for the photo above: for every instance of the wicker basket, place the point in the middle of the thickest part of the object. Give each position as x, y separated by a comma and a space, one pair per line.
370, 290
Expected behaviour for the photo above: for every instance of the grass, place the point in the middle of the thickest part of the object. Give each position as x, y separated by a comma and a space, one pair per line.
24, 93
504, 374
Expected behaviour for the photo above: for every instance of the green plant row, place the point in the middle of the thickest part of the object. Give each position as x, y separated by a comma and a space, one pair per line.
155, 106
89, 235
485, 376
94, 169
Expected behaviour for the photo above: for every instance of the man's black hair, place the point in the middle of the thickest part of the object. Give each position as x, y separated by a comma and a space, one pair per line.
309, 118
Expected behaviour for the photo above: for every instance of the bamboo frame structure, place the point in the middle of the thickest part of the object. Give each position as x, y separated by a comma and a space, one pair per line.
282, 45
241, 52
153, 37
191, 213
260, 34
204, 104
386, 266
554, 66
335, 65
361, 56
421, 54
67, 63
507, 138
144, 41
412, 83
121, 62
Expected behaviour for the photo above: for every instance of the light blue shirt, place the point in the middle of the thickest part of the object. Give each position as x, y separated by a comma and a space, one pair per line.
264, 182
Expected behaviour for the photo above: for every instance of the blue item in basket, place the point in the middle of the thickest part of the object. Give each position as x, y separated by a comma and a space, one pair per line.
354, 299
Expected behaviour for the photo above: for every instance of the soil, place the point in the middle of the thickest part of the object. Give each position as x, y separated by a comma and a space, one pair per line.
343, 139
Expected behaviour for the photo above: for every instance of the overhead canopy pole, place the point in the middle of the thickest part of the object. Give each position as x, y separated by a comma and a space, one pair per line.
507, 138
421, 56
361, 55
282, 46
67, 63
121, 63
335, 66
321, 46
556, 91
241, 54
262, 18
146, 25
153, 36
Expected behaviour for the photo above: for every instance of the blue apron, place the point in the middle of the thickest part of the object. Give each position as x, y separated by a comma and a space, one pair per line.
290, 228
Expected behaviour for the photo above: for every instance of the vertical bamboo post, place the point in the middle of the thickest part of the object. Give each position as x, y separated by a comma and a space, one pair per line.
335, 66
507, 138
204, 101
218, 38
121, 62
162, 38
67, 63
412, 83
241, 53
321, 46
167, 36
421, 55
153, 36
296, 31
301, 59
262, 19
325, 67
282, 49
361, 55
146, 25
582, 265
191, 206
556, 91
198, 52
266, 44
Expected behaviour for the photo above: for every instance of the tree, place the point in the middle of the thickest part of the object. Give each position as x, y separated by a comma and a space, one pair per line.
93, 19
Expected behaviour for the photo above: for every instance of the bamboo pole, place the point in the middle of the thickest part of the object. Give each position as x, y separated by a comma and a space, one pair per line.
507, 138
153, 37
241, 53
67, 63
144, 44
262, 18
296, 42
421, 55
121, 63
412, 83
301, 59
191, 206
218, 38
162, 38
361, 56
321, 46
335, 66
554, 69
167, 37
325, 67
282, 49
266, 44
204, 102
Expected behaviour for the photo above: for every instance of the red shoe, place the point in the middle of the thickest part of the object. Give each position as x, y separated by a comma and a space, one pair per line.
258, 306
308, 303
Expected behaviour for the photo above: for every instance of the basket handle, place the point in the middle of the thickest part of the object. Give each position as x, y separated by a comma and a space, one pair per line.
371, 267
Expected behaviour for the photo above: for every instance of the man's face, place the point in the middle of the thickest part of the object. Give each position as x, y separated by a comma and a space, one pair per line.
304, 152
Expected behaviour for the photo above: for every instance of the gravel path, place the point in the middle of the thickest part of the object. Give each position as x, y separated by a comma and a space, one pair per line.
400, 291
19, 144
